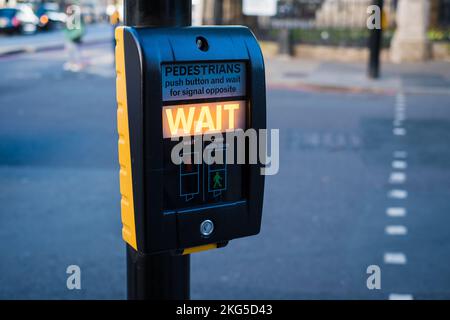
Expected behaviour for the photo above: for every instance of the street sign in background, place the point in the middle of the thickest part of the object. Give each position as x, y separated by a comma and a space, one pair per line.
259, 7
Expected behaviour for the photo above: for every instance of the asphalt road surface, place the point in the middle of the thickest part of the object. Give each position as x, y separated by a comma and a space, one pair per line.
363, 180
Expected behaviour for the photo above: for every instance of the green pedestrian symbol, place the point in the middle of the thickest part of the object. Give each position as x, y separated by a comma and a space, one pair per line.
217, 181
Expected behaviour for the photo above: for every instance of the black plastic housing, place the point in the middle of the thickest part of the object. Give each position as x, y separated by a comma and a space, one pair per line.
146, 49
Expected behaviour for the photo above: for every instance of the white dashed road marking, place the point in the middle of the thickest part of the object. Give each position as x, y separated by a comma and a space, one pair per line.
398, 194
397, 178
400, 296
394, 258
399, 131
399, 164
396, 230
396, 212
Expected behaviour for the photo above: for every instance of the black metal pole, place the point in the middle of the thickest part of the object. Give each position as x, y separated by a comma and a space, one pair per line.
285, 34
158, 276
218, 12
158, 13
161, 276
285, 42
375, 45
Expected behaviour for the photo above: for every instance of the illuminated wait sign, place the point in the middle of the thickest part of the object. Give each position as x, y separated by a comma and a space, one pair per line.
201, 118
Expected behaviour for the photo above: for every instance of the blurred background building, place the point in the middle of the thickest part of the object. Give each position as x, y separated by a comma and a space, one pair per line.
329, 29
320, 27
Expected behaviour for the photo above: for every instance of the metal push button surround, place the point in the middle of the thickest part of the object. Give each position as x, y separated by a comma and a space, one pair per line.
206, 228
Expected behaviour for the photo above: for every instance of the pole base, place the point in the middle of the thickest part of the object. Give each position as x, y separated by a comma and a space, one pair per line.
158, 276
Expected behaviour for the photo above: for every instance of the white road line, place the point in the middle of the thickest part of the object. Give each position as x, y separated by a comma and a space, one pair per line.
400, 296
398, 194
396, 230
399, 164
396, 212
398, 258
397, 178
399, 131
400, 154
394, 258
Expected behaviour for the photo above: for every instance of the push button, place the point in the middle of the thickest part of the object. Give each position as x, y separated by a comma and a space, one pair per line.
206, 228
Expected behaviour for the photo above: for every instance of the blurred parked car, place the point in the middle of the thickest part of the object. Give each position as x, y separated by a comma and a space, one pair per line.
50, 16
20, 19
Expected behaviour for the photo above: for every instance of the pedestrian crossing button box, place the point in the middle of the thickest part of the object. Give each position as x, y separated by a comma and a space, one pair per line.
182, 85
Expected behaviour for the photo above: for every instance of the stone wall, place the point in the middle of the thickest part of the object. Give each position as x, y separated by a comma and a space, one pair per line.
410, 42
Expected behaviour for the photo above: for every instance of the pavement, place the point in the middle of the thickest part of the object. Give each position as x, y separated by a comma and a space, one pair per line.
363, 181
431, 77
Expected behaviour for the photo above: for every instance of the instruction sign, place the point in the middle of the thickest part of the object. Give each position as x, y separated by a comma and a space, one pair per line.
192, 81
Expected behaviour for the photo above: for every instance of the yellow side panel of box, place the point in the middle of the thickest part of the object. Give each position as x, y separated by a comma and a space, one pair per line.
126, 178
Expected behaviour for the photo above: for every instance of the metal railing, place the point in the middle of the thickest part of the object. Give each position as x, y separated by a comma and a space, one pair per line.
327, 22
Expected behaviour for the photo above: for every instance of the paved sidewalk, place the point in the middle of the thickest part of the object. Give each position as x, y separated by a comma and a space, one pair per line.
427, 77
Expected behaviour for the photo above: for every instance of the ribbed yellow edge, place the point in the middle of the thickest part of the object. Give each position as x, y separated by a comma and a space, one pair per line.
126, 179
199, 248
